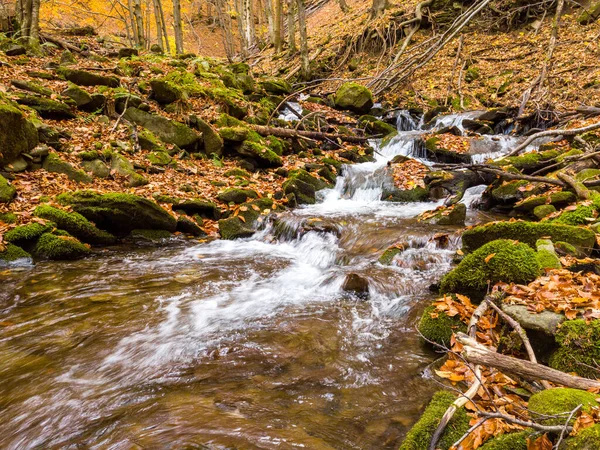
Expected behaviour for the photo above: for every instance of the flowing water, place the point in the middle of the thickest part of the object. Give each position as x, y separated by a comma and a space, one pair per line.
247, 344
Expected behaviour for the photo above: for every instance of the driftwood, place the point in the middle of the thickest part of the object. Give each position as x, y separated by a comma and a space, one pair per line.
479, 354
289, 133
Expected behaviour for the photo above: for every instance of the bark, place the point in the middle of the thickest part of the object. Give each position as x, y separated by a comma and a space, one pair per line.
305, 62
270, 21
248, 19
291, 22
136, 36
159, 30
278, 25
289, 133
138, 23
477, 353
344, 6
178, 27
240, 25
226, 26
377, 8
164, 26
34, 31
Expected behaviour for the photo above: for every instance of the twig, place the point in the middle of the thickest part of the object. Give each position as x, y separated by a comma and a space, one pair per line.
562, 433
526, 423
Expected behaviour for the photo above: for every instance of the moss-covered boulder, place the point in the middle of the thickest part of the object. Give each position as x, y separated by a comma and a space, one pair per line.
244, 225
119, 213
579, 348
213, 143
508, 441
198, 206
122, 166
32, 86
159, 158
83, 78
152, 236
375, 126
53, 163
303, 186
26, 235
416, 194
238, 196
168, 131
436, 151
188, 226
47, 108
509, 191
560, 401
582, 214
11, 253
78, 95
276, 86
51, 246
165, 92
558, 199
234, 134
445, 215
438, 327
546, 254
262, 155
586, 439
354, 97
17, 134
528, 233
590, 13
499, 260
419, 437
97, 168
539, 212
75, 224
387, 257
7, 192
234, 228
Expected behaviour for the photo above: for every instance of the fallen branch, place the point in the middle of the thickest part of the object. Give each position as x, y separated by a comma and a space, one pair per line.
61, 43
580, 190
477, 353
526, 423
533, 137
516, 176
289, 133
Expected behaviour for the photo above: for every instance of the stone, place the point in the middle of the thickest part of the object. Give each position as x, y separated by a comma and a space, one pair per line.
234, 228
128, 52
199, 206
17, 134
262, 155
16, 166
213, 143
546, 321
159, 158
542, 211
446, 215
354, 97
149, 235
121, 165
276, 86
51, 246
546, 254
83, 78
156, 49
236, 196
67, 58
12, 253
7, 192
54, 164
15, 50
78, 95
165, 92
31, 86
169, 131
357, 285
97, 168
47, 108
187, 226
119, 213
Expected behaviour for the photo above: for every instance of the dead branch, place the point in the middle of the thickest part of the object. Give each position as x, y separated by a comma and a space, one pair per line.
526, 423
289, 133
477, 353
580, 190
416, 24
516, 176
61, 43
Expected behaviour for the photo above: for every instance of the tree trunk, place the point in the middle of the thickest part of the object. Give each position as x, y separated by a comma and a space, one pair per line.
249, 28
26, 22
225, 20
377, 8
291, 18
344, 6
34, 31
278, 25
159, 31
139, 23
178, 27
305, 62
270, 21
164, 26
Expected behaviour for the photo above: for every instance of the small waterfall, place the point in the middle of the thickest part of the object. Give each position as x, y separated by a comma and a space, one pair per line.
405, 121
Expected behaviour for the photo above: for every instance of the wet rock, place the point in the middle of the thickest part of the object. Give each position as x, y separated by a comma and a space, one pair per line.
357, 285
187, 226
168, 131
477, 126
199, 206
7, 192
17, 134
354, 97
63, 247
238, 196
54, 164
150, 235
119, 213
75, 224
49, 109
376, 126
446, 215
390, 253
12, 253
165, 92
128, 52
31, 86
244, 225
83, 78
431, 114
234, 228
15, 50
304, 186
546, 321
393, 194
97, 168
437, 152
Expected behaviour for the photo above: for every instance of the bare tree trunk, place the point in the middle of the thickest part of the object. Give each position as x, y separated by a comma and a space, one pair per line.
249, 28
270, 21
305, 62
178, 27
225, 20
344, 6
377, 8
291, 16
34, 31
159, 31
239, 9
278, 25
138, 23
26, 22
164, 26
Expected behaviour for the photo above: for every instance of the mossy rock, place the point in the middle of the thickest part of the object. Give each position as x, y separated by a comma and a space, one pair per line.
75, 224
234, 134
83, 78
508, 441
559, 401
159, 158
7, 192
509, 192
199, 206
234, 228
376, 126
528, 161
587, 174
169, 131
17, 134
512, 262
188, 226
213, 143
47, 108
438, 153
304, 186
97, 168
238, 196
528, 233
579, 348
237, 172
542, 211
262, 155
51, 246
354, 97
586, 439
582, 214
154, 236
546, 255
165, 92
419, 436
54, 164
446, 215
26, 235
590, 13
32, 86
78, 95
121, 165
389, 254
119, 213
441, 328
276, 86
416, 194
12, 253
8, 217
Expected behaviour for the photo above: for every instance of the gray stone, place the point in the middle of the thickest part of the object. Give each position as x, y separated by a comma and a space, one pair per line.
547, 321
16, 166
97, 168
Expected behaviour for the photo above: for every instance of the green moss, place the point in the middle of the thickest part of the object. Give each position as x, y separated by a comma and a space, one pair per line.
89, 155
275, 144
54, 247
559, 401
529, 160
509, 441
236, 195
566, 248
333, 162
53, 163
587, 174
582, 215
8, 217
388, 256
233, 134
556, 198
354, 97
543, 211
579, 348
509, 191
237, 172
419, 436
512, 263
586, 439
376, 126
264, 156
7, 192
234, 228
75, 224
440, 328
13, 253
27, 234
548, 260
528, 233
159, 158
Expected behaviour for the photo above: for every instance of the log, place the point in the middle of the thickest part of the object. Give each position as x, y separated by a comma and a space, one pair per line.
61, 43
289, 133
476, 353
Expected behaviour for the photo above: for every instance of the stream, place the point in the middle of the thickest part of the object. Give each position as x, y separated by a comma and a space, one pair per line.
246, 344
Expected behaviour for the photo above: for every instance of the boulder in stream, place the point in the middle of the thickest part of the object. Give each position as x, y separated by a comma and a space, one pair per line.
356, 285
354, 97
